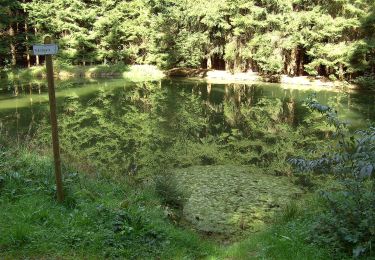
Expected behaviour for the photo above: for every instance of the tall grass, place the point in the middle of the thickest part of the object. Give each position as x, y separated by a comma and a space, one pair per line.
99, 218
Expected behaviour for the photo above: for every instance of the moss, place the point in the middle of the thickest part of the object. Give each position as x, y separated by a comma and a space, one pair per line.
228, 199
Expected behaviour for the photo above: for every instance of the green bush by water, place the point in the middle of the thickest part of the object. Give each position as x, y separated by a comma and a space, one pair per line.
367, 81
346, 223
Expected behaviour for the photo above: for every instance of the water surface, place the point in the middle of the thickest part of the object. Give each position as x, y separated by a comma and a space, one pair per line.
118, 124
226, 145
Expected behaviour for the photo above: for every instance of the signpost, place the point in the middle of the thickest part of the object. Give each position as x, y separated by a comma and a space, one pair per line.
48, 49
45, 49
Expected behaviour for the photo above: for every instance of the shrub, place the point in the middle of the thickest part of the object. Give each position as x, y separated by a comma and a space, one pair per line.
366, 81
348, 222
166, 188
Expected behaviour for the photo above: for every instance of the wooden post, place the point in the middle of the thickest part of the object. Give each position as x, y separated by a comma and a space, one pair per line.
53, 115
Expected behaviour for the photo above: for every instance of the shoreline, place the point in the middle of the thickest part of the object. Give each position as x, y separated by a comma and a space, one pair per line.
226, 77
64, 72
150, 72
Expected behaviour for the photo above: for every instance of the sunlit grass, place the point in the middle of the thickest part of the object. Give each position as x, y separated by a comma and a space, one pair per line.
90, 222
130, 72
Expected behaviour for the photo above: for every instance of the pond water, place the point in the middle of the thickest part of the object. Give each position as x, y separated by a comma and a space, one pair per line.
118, 127
127, 128
24, 106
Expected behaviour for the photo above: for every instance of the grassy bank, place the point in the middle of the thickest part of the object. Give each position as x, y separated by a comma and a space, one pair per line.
139, 73
99, 218
148, 72
103, 218
62, 71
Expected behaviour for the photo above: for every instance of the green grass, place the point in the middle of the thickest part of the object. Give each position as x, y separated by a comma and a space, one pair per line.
131, 72
281, 242
99, 218
103, 217
286, 238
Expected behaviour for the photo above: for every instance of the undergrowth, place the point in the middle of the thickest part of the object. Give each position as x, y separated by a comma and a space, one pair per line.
107, 218
287, 238
346, 223
99, 218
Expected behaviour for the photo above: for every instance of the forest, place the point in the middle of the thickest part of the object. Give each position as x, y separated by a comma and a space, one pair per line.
177, 129
333, 38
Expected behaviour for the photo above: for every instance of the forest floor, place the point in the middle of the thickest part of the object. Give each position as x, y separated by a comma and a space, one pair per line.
107, 218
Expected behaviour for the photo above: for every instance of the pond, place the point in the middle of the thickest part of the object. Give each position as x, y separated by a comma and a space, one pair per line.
116, 127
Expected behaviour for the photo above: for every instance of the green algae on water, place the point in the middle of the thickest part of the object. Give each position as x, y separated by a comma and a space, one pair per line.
228, 199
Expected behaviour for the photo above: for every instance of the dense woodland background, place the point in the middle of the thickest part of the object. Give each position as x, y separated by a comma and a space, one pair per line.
131, 146
334, 38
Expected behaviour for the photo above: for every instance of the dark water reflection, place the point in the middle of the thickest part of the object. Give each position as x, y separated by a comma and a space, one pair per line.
128, 128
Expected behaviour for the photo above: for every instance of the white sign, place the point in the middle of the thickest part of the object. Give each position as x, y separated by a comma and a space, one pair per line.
45, 49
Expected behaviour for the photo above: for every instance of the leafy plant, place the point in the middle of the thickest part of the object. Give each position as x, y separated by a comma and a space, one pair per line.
132, 228
347, 222
366, 81
347, 225
166, 188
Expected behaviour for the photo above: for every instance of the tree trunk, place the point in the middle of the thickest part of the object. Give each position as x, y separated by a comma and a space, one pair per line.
12, 46
27, 46
299, 61
292, 62
237, 66
209, 62
37, 62
16, 92
254, 66
341, 71
227, 65
237, 63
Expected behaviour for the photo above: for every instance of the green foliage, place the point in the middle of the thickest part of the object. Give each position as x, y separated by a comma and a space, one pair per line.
353, 155
347, 221
366, 81
99, 218
267, 54
272, 37
166, 188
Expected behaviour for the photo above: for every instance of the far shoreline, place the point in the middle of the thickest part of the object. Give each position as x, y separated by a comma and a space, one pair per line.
149, 72
226, 77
